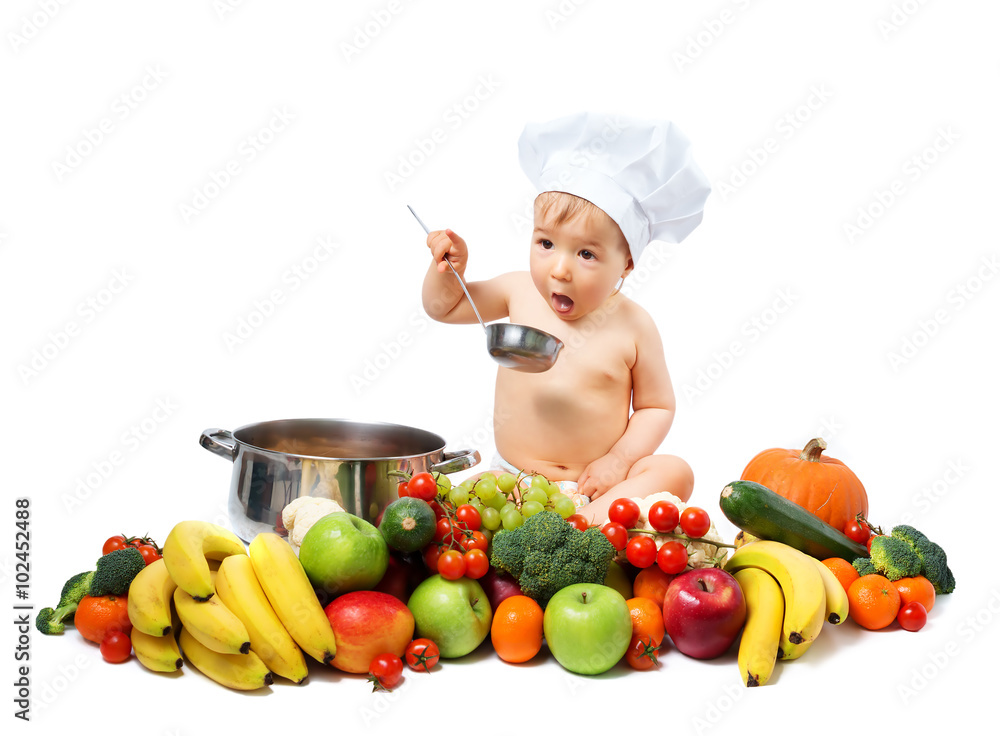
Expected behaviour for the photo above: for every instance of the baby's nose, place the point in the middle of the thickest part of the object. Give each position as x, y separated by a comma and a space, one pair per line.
561, 268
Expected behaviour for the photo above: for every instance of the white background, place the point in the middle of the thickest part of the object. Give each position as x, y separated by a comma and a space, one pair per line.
120, 304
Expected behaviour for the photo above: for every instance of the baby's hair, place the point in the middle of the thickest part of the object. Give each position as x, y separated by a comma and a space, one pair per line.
562, 207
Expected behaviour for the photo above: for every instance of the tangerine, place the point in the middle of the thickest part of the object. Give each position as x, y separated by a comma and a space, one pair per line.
917, 589
874, 601
843, 570
516, 630
97, 615
651, 583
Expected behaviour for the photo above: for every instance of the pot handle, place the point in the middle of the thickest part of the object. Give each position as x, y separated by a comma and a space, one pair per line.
219, 441
453, 462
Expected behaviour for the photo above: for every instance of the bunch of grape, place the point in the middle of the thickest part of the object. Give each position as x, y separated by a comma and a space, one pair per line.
506, 500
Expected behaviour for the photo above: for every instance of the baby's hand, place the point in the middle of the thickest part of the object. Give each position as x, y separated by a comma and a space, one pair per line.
602, 475
446, 243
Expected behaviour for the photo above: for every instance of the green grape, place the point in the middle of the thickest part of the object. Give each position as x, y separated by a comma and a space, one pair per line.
563, 506
443, 482
530, 508
541, 483
458, 496
467, 484
486, 491
506, 482
512, 521
498, 501
537, 495
553, 489
490, 518
477, 503
487, 482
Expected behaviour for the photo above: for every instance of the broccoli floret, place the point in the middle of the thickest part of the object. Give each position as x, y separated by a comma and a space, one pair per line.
115, 572
546, 553
933, 560
894, 558
864, 566
52, 621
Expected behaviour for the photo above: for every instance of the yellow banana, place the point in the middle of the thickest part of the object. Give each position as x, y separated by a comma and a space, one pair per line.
292, 596
189, 547
212, 623
238, 671
157, 653
149, 598
762, 631
801, 585
237, 586
837, 605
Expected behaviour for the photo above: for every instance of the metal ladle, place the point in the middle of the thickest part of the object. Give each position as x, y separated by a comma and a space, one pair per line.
518, 347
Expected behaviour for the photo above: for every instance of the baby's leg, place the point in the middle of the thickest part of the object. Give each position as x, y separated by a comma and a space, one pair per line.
649, 475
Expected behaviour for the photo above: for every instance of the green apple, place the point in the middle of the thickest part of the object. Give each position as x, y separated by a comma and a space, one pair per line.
455, 614
342, 553
587, 627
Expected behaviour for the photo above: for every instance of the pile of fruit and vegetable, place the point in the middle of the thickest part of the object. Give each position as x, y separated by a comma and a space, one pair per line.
506, 558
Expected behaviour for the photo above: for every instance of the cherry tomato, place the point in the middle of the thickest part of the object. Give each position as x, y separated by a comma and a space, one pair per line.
404, 490
641, 551
912, 616
477, 563
437, 508
423, 486
578, 521
857, 530
663, 516
149, 553
451, 564
616, 534
641, 653
113, 543
422, 655
431, 554
672, 557
443, 531
624, 511
469, 516
695, 521
386, 671
116, 647
476, 541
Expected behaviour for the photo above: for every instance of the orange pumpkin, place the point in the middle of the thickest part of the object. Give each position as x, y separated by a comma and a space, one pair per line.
820, 484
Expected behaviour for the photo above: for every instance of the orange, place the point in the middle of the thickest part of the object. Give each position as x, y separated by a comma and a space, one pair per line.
874, 601
916, 589
843, 569
517, 629
96, 616
647, 633
652, 582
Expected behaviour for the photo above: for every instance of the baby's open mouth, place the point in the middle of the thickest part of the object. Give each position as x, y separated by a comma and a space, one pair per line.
562, 303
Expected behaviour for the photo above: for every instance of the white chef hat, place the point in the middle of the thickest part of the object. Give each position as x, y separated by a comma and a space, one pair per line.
640, 172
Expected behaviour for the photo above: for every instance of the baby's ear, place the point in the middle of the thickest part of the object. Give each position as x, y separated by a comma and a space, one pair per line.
628, 268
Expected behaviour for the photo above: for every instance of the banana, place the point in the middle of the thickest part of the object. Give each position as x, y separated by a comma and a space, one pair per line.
762, 631
212, 623
157, 653
238, 671
149, 598
801, 585
236, 585
837, 604
292, 596
189, 547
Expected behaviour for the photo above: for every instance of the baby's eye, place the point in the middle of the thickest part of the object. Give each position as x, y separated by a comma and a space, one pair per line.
545, 243
587, 255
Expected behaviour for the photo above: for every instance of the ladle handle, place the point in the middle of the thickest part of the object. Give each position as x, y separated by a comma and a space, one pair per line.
460, 279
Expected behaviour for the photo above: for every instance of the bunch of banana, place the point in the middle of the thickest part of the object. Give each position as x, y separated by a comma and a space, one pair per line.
789, 595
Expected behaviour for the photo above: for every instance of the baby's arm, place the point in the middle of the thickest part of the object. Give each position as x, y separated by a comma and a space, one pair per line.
443, 298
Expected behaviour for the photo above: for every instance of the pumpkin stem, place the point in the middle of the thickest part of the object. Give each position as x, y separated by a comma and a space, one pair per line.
813, 450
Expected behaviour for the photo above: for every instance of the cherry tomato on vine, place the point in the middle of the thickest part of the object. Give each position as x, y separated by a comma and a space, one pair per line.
149, 553
431, 554
672, 557
451, 564
695, 521
116, 647
469, 516
477, 563
113, 544
422, 655
403, 490
624, 511
386, 671
857, 530
616, 534
443, 530
912, 616
437, 508
663, 516
476, 541
641, 551
423, 486
578, 521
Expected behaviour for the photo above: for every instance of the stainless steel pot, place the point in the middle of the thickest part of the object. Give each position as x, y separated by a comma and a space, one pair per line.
276, 462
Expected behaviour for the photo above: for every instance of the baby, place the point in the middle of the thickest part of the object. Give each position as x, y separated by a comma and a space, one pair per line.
595, 420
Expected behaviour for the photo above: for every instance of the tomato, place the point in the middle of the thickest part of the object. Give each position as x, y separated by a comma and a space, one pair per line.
477, 563
423, 486
469, 516
912, 616
451, 564
477, 540
857, 530
641, 551
616, 534
431, 554
443, 531
672, 557
404, 490
113, 544
437, 508
624, 511
663, 516
695, 522
422, 654
578, 521
116, 647
149, 553
641, 653
386, 671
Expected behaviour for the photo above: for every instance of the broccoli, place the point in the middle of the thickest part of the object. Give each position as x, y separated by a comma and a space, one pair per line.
546, 553
51, 621
894, 558
115, 572
933, 560
864, 566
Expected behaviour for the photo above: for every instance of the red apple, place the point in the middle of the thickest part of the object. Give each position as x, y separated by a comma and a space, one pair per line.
368, 623
703, 612
498, 587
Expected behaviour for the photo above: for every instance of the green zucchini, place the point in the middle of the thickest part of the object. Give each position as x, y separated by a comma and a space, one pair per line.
760, 511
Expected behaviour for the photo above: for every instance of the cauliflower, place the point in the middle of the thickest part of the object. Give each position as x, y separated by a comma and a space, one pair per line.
299, 516
700, 554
